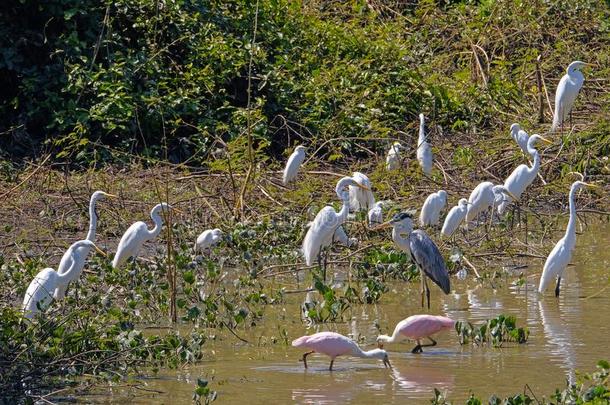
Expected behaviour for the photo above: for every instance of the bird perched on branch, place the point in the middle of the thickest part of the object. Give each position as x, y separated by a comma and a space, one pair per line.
392, 160
424, 152
294, 163
361, 198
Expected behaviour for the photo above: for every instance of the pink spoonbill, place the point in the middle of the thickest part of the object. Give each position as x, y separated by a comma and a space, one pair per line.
417, 327
333, 345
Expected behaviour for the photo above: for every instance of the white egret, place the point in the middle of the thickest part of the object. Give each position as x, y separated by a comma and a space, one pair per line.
519, 136
341, 237
523, 175
134, 237
483, 197
41, 290
392, 160
81, 253
567, 90
431, 210
424, 152
361, 198
423, 252
294, 163
322, 228
561, 254
375, 214
207, 240
454, 218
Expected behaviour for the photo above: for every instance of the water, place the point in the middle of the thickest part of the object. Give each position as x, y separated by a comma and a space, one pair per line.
566, 335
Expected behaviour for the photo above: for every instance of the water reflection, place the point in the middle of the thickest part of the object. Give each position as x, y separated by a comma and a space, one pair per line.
558, 337
415, 378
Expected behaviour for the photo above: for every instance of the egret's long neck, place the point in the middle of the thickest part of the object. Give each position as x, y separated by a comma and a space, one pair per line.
536, 165
92, 221
571, 229
342, 216
156, 217
67, 275
422, 133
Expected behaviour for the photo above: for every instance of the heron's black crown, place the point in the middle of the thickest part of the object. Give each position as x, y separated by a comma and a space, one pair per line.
402, 215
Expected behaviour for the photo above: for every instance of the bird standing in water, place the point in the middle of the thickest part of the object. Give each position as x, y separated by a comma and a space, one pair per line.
417, 327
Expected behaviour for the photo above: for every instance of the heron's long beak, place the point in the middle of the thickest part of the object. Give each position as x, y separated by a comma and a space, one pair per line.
362, 186
591, 185
511, 195
582, 178
385, 225
545, 140
111, 195
100, 251
177, 210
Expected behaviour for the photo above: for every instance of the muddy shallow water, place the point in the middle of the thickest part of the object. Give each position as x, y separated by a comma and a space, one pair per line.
567, 335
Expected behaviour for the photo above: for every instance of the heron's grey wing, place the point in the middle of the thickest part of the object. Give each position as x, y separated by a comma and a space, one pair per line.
429, 259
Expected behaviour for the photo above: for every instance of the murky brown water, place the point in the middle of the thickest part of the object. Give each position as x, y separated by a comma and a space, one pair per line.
567, 335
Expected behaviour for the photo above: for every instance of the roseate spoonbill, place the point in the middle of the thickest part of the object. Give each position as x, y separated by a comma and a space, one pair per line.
81, 253
424, 152
361, 198
561, 254
294, 163
333, 345
208, 239
322, 228
40, 292
523, 175
423, 252
454, 218
567, 90
134, 237
431, 210
417, 327
392, 161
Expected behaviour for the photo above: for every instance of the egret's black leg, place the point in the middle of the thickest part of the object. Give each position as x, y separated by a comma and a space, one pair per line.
557, 287
304, 359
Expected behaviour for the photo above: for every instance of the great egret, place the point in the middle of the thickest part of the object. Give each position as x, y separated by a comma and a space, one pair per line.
423, 252
424, 152
523, 175
294, 163
482, 198
561, 254
138, 233
333, 345
519, 136
431, 210
81, 253
340, 236
207, 240
361, 198
41, 290
322, 228
417, 327
392, 160
375, 214
454, 218
567, 90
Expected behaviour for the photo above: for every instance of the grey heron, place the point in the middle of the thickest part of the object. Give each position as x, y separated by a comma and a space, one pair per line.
423, 252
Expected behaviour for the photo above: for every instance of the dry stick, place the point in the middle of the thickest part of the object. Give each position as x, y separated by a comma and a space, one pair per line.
232, 331
242, 194
29, 176
476, 273
540, 95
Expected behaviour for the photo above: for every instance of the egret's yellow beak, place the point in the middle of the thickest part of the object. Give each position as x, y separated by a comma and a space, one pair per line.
385, 225
591, 185
545, 140
177, 210
582, 178
111, 195
514, 197
100, 251
363, 186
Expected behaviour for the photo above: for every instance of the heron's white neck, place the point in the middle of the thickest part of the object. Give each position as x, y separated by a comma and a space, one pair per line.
156, 217
342, 216
422, 131
536, 165
571, 228
67, 275
92, 221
